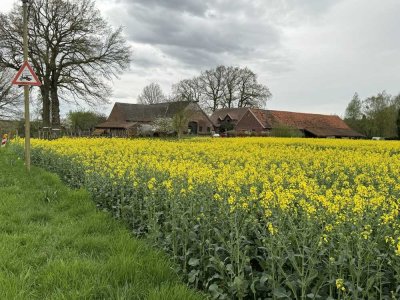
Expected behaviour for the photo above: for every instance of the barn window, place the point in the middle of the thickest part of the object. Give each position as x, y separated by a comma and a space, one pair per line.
208, 129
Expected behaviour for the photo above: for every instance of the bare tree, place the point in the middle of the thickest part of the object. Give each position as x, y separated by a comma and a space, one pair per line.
151, 94
212, 84
73, 50
251, 93
223, 87
188, 90
231, 86
10, 97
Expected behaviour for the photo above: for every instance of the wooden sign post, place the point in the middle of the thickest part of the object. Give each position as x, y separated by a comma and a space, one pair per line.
26, 77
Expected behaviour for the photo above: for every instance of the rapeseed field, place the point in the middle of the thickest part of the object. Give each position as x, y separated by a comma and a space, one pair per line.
249, 218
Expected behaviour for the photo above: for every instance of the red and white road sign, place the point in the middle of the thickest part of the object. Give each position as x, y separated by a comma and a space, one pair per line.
26, 76
4, 140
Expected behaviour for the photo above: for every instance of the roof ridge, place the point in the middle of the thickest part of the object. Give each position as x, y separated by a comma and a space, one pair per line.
303, 113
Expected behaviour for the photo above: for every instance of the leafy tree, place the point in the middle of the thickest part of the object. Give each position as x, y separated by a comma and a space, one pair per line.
398, 123
152, 94
180, 122
80, 121
373, 116
353, 115
10, 97
73, 50
381, 115
354, 109
224, 127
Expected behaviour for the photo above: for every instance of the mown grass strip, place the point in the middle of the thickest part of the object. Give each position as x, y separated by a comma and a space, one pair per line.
54, 244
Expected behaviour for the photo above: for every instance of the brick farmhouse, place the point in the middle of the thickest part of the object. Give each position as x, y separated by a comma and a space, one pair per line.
128, 119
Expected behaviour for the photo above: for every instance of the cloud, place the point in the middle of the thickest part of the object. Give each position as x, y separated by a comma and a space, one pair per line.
312, 54
198, 34
193, 7
351, 48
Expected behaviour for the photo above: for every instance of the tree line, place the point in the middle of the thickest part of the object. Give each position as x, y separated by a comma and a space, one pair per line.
220, 87
378, 115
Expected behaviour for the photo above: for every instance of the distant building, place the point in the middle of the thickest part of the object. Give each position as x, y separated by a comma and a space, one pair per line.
266, 121
128, 119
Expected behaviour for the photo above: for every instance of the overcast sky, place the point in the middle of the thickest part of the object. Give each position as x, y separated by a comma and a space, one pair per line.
312, 54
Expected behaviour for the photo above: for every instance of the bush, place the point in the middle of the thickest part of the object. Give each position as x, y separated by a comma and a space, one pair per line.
286, 131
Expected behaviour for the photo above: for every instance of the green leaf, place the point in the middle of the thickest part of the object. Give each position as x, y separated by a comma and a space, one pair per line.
193, 275
370, 283
194, 262
263, 279
229, 268
280, 293
215, 291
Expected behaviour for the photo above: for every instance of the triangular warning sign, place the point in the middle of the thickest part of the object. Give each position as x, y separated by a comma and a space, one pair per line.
26, 76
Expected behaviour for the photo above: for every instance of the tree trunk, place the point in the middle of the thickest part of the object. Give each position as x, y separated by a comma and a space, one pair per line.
45, 106
215, 104
55, 108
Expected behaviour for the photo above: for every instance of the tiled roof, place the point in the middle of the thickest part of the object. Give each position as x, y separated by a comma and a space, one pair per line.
115, 124
304, 120
324, 132
263, 116
125, 115
234, 113
141, 112
317, 124
129, 112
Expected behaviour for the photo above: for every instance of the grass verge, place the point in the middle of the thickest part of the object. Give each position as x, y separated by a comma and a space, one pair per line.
54, 244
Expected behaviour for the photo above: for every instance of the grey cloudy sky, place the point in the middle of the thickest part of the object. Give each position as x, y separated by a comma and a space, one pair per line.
312, 54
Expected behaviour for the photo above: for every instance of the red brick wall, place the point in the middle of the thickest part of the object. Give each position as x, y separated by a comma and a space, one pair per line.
249, 123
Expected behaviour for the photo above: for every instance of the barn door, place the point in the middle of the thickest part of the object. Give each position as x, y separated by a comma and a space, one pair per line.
193, 127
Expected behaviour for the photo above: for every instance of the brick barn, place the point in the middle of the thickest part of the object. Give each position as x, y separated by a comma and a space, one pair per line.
266, 121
